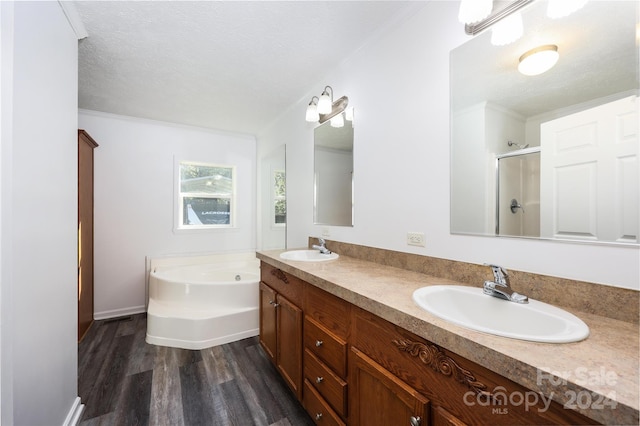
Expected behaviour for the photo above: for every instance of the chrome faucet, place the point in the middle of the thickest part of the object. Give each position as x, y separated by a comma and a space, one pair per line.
500, 287
321, 247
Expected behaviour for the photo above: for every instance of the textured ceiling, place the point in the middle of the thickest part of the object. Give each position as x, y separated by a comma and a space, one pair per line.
228, 65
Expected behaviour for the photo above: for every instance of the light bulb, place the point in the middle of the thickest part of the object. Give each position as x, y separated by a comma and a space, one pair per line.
348, 114
325, 104
474, 10
337, 121
312, 113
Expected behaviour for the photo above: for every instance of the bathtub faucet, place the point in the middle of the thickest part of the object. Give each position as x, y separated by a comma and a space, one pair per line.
321, 247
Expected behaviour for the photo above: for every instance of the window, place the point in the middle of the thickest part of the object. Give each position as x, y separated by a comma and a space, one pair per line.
206, 197
279, 198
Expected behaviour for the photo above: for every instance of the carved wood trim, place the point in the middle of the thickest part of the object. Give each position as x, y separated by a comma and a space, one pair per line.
280, 275
432, 356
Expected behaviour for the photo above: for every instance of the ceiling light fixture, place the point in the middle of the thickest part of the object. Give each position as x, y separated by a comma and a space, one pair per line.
474, 10
538, 60
561, 8
324, 109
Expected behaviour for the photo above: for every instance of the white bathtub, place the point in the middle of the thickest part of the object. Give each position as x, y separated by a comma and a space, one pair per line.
202, 305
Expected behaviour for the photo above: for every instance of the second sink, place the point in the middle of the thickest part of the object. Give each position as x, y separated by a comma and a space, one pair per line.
470, 308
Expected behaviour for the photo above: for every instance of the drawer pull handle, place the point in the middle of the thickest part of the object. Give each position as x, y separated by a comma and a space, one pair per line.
415, 420
319, 379
319, 343
318, 416
274, 304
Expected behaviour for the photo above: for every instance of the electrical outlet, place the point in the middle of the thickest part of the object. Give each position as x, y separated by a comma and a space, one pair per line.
325, 233
415, 239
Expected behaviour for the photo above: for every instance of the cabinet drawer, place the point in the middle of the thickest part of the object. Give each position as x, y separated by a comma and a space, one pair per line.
331, 349
332, 388
327, 309
318, 409
282, 282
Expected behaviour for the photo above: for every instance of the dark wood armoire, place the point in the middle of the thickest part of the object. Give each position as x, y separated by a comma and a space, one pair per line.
86, 145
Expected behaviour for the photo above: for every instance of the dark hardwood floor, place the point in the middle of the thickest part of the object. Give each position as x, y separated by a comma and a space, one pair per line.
122, 380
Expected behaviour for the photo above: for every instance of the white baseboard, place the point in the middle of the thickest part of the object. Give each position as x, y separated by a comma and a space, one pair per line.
73, 417
115, 313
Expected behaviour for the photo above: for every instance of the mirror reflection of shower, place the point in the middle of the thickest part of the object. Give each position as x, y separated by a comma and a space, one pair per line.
515, 205
511, 143
518, 192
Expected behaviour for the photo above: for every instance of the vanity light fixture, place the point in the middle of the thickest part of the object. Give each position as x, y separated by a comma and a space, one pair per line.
312, 110
538, 60
494, 17
473, 25
317, 110
337, 121
472, 11
348, 114
326, 101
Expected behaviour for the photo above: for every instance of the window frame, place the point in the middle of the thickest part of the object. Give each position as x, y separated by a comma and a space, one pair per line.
275, 197
180, 197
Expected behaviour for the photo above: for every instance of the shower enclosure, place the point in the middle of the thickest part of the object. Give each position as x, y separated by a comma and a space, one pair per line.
518, 193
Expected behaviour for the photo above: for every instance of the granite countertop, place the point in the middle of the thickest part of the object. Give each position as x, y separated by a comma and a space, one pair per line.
582, 374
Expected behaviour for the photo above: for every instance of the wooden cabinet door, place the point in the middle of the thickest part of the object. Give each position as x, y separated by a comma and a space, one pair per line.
268, 335
378, 398
281, 335
290, 344
441, 417
86, 145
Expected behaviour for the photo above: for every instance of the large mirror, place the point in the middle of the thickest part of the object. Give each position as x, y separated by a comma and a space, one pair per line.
333, 173
553, 155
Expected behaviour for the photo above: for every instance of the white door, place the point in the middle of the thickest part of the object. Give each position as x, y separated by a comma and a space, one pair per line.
589, 174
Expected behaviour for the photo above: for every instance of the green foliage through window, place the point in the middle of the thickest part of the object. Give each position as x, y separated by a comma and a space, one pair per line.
280, 197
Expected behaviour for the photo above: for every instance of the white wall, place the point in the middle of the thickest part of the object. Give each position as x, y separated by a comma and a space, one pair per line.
39, 214
399, 87
134, 200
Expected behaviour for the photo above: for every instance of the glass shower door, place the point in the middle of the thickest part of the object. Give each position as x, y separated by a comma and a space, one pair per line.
518, 193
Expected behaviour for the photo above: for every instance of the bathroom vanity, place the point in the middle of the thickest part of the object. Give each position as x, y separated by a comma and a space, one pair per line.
355, 349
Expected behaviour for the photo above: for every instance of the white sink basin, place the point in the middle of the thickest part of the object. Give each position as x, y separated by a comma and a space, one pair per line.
308, 255
469, 307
